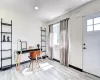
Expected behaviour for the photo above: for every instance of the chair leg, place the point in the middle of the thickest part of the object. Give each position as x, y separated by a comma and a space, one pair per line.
38, 63
32, 64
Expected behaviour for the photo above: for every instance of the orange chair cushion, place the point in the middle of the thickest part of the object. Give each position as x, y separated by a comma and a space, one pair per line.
34, 53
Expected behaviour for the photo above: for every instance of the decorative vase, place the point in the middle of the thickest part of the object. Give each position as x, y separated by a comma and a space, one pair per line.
8, 38
4, 38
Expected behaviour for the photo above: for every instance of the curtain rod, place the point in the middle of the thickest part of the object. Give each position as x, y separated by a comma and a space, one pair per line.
59, 21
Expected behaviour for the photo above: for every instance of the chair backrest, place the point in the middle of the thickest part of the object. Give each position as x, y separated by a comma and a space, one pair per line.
35, 54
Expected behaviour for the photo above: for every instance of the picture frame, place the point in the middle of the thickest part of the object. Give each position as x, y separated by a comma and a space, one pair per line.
24, 45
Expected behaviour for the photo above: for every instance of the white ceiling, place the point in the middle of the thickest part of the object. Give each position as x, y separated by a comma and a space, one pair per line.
48, 9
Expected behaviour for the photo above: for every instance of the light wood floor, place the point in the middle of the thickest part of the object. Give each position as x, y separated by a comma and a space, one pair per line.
55, 72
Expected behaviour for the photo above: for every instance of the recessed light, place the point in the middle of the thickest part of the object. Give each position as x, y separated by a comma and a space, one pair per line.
36, 8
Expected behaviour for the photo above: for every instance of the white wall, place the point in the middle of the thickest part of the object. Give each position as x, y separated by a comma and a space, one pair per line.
75, 30
25, 26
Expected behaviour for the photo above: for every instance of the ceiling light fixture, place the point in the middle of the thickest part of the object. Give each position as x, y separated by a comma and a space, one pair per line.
36, 8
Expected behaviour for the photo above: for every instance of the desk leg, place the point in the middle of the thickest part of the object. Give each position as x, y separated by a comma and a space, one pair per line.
18, 62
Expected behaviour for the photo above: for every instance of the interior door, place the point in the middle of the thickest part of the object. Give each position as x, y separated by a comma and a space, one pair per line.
91, 43
56, 37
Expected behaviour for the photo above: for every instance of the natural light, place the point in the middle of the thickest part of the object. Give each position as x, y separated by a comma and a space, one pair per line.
46, 66
43, 66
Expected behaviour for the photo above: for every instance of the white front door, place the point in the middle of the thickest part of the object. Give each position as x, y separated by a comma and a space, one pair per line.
91, 43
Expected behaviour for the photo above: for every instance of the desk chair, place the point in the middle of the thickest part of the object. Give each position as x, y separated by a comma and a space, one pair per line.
34, 57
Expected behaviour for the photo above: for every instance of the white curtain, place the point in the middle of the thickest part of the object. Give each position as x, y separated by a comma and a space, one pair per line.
50, 46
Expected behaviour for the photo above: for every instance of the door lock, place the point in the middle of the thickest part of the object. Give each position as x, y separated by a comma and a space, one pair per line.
84, 48
84, 44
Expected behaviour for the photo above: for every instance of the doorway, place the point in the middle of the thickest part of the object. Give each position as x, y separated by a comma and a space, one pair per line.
91, 43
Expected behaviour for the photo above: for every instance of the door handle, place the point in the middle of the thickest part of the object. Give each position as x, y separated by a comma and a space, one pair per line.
84, 44
84, 48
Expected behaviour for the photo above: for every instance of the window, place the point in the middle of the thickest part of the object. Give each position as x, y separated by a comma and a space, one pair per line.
96, 27
90, 22
97, 20
96, 23
93, 24
90, 28
56, 34
89, 25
